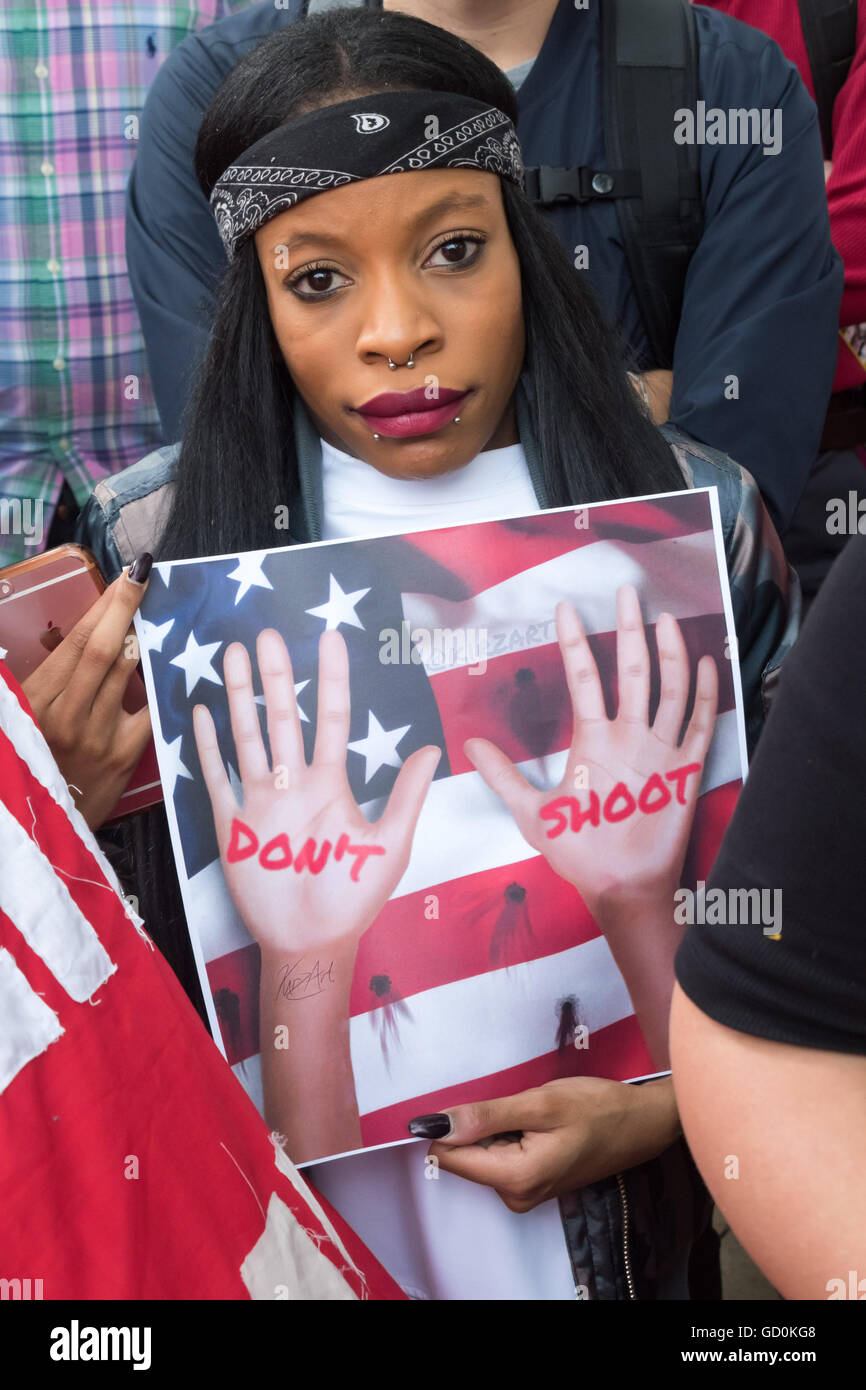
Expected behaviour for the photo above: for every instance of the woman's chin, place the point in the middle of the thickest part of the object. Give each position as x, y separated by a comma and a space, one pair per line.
427, 457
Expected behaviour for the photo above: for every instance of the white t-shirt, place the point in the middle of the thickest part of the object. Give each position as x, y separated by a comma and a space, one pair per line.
361, 501
442, 1237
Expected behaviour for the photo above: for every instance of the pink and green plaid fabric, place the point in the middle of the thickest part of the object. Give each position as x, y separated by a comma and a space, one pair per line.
75, 397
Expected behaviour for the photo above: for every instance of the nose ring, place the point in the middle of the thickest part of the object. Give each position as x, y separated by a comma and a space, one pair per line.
392, 366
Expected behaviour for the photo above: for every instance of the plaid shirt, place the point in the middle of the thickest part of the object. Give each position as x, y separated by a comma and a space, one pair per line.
75, 395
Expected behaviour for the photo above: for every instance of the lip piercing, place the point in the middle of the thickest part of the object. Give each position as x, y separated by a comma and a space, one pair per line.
394, 365
455, 421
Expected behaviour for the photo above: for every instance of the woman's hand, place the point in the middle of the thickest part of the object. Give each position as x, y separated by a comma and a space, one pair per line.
308, 874
618, 824
76, 695
305, 868
572, 1132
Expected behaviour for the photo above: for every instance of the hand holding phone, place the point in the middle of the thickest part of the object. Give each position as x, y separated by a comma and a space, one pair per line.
77, 692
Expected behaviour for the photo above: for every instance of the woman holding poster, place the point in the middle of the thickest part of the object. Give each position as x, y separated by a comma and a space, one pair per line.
393, 352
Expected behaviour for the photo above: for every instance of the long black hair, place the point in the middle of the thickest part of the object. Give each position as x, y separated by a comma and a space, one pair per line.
237, 461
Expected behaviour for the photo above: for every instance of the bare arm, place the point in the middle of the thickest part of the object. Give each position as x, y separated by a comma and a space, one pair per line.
309, 1087
643, 941
792, 1122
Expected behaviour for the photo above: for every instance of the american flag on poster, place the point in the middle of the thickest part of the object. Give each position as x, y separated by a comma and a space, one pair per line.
472, 980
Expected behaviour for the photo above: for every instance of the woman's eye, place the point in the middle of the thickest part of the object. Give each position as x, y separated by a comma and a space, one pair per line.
457, 250
317, 283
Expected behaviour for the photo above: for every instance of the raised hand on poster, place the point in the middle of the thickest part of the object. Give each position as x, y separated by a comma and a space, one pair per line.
303, 865
618, 824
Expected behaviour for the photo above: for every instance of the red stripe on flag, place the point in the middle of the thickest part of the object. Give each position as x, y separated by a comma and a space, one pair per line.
488, 553
714, 811
521, 703
616, 1052
234, 981
503, 916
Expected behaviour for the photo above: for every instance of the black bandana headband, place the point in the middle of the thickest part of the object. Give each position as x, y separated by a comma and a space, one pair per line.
388, 133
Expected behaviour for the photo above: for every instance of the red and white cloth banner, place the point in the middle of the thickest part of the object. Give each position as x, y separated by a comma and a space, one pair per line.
132, 1163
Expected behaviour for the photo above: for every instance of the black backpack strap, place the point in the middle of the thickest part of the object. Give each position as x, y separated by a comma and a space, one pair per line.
830, 32
650, 61
650, 64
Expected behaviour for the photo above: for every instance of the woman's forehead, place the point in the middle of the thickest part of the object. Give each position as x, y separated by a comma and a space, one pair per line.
403, 202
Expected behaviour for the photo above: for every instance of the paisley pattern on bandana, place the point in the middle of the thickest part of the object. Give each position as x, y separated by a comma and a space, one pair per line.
449, 149
296, 160
242, 208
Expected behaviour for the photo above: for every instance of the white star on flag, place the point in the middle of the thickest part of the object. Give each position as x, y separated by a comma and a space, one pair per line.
249, 573
172, 767
379, 748
163, 569
340, 607
195, 662
154, 634
299, 685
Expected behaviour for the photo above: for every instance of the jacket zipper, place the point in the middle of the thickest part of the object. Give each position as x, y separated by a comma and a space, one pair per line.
620, 1181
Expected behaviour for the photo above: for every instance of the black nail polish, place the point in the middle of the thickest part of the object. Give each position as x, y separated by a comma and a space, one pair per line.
430, 1126
140, 568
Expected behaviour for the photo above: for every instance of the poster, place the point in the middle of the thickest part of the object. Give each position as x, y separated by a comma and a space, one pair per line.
475, 969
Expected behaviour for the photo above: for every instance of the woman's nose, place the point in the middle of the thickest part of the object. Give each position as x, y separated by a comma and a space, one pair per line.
397, 326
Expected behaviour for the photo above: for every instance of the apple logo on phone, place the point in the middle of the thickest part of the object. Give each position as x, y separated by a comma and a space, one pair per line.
51, 637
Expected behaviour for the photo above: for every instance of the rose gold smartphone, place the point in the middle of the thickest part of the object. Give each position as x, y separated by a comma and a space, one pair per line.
41, 600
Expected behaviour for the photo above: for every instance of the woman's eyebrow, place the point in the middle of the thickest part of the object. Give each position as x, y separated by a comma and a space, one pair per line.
302, 238
452, 202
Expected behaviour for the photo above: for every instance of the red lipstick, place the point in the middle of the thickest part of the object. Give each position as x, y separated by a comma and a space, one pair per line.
400, 414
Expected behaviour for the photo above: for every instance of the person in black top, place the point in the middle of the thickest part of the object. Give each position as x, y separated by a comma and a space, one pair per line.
768, 1027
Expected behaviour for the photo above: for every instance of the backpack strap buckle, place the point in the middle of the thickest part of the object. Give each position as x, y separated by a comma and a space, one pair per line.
550, 184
